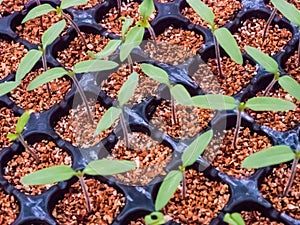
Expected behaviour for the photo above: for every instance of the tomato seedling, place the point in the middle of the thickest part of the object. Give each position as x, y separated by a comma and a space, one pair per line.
221, 36
273, 156
54, 174
87, 66
115, 112
43, 9
175, 177
234, 219
288, 83
18, 134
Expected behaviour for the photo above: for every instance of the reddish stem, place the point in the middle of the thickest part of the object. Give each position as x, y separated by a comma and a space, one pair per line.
237, 128
85, 194
44, 60
27, 148
218, 56
292, 177
269, 21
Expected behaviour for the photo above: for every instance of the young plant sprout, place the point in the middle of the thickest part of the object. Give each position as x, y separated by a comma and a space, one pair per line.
102, 167
87, 66
157, 218
18, 134
270, 65
178, 92
146, 9
46, 8
115, 112
175, 177
234, 219
269, 21
289, 11
273, 156
221, 36
221, 102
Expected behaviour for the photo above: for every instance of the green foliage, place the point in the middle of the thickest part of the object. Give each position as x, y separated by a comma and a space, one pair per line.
155, 218
60, 173
156, 73
107, 167
38, 11
203, 11
127, 23
291, 86
168, 188
52, 33
110, 48
27, 63
22, 121
228, 43
269, 156
196, 148
127, 89
146, 8
181, 95
215, 102
98, 65
269, 104
70, 3
288, 10
234, 219
8, 86
267, 62
110, 116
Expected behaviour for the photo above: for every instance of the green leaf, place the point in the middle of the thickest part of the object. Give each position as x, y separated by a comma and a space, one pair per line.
12, 137
196, 148
269, 104
69, 3
267, 62
228, 43
52, 33
108, 50
46, 77
156, 73
269, 156
97, 65
181, 95
107, 167
215, 101
108, 119
49, 175
146, 8
291, 86
133, 40
27, 63
159, 219
128, 88
203, 11
38, 11
234, 219
127, 23
23, 121
288, 10
8, 86
167, 189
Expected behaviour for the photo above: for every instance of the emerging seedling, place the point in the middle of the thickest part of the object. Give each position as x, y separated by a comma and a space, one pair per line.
221, 102
178, 92
273, 156
18, 134
234, 219
87, 66
157, 218
103, 167
289, 11
221, 36
46, 8
174, 177
270, 65
115, 112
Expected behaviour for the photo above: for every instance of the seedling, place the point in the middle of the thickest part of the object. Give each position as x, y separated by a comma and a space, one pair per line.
175, 177
221, 102
103, 167
157, 218
146, 9
221, 36
270, 65
178, 92
289, 11
46, 8
115, 112
31, 58
273, 156
234, 219
18, 134
269, 21
87, 66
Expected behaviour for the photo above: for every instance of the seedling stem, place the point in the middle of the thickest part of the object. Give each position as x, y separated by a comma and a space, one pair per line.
23, 142
44, 60
269, 21
85, 192
124, 129
292, 175
218, 56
